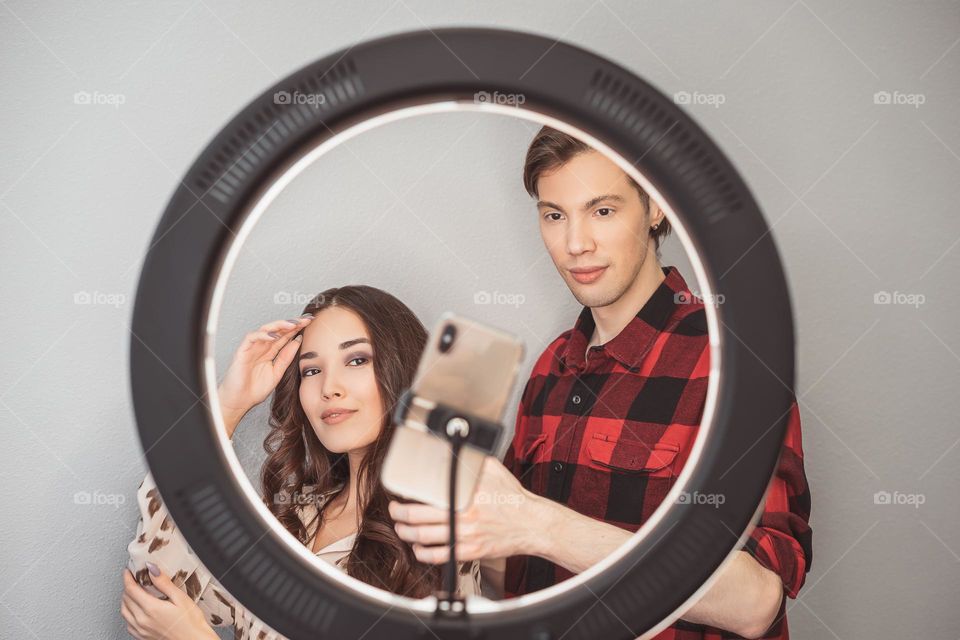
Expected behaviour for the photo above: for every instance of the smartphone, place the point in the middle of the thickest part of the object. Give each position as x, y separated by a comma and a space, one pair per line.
469, 367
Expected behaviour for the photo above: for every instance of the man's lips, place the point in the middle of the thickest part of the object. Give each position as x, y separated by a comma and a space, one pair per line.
586, 275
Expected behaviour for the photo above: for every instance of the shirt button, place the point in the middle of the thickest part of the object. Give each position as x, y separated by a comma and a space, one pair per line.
558, 466
576, 399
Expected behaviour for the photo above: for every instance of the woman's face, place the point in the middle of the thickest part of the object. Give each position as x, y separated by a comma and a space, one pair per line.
336, 375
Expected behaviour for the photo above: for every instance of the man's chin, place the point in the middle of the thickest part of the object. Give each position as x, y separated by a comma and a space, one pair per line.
590, 296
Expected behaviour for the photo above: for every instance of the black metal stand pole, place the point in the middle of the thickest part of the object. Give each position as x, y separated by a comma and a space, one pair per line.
450, 578
457, 429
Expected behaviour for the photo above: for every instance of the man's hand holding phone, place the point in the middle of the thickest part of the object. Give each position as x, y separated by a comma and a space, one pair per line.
500, 522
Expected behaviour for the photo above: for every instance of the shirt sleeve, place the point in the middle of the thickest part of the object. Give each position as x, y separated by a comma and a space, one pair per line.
159, 541
782, 539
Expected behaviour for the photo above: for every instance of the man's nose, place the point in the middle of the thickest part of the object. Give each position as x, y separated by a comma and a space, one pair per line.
579, 239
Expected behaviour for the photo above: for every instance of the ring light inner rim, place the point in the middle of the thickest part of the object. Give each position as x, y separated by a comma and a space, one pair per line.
261, 203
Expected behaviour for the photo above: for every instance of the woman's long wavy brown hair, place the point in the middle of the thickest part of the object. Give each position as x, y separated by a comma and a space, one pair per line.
296, 459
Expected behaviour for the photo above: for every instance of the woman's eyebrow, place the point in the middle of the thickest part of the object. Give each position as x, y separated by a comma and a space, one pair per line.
343, 345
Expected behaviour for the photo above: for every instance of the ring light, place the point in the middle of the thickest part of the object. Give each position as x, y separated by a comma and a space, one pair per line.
670, 560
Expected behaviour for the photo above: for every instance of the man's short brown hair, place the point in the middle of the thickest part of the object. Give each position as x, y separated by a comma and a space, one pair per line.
551, 149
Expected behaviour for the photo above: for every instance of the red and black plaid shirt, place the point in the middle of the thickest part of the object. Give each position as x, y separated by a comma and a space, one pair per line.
607, 434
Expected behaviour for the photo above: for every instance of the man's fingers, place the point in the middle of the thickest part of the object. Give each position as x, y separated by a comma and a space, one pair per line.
417, 513
439, 554
424, 534
431, 555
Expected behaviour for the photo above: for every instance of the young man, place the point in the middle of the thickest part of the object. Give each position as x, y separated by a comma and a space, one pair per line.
610, 414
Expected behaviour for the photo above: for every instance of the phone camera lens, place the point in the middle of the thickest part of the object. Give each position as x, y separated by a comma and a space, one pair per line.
447, 337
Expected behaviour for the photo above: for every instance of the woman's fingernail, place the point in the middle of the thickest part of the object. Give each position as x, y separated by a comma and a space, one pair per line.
293, 321
154, 570
307, 315
273, 334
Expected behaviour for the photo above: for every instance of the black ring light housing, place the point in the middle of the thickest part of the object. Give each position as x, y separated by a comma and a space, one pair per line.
752, 338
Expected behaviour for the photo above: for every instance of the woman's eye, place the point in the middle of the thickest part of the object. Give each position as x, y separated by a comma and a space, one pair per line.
306, 372
364, 359
607, 209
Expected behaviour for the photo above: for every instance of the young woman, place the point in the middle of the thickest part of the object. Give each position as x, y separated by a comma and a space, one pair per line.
336, 374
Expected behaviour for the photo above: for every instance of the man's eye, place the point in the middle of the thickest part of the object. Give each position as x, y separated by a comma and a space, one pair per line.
607, 209
552, 213
306, 372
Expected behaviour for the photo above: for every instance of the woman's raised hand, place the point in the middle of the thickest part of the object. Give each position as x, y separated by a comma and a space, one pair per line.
257, 366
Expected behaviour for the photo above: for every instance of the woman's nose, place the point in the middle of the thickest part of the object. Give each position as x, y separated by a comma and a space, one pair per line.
330, 392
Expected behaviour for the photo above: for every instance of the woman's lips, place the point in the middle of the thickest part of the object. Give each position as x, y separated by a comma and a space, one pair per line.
586, 277
338, 418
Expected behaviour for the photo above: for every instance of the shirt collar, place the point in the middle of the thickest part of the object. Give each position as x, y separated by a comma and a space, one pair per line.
343, 545
632, 343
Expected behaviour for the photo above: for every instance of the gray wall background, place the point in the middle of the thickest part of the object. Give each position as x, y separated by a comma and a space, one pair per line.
860, 193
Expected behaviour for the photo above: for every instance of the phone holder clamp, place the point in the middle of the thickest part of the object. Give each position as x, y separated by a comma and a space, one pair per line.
459, 429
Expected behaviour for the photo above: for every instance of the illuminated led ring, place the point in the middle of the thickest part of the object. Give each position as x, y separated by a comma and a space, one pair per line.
714, 215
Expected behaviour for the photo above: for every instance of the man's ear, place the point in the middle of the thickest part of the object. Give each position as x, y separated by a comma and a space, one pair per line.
656, 214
